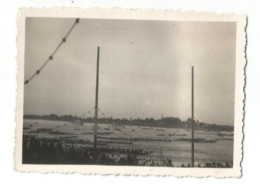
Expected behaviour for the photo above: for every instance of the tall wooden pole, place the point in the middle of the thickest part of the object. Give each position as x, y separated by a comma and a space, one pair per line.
96, 104
192, 117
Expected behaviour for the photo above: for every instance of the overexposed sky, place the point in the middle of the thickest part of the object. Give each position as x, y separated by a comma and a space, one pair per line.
145, 68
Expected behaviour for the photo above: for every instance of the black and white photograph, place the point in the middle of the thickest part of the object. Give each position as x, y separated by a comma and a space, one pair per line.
148, 93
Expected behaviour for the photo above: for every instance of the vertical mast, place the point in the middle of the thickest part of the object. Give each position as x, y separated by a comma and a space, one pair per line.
96, 99
192, 117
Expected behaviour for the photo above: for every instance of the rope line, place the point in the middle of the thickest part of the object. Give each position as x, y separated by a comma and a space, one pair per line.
102, 113
88, 112
51, 57
196, 118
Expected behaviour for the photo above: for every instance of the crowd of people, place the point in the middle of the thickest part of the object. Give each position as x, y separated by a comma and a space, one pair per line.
109, 141
145, 139
72, 150
131, 150
156, 163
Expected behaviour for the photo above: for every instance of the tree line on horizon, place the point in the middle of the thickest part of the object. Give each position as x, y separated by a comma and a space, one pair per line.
167, 122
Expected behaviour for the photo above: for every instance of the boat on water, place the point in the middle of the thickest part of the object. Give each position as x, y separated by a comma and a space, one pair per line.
78, 122
199, 140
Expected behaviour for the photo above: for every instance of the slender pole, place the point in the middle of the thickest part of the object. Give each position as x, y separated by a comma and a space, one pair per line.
192, 116
96, 104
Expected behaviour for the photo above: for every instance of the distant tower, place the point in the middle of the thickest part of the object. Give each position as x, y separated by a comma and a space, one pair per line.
162, 116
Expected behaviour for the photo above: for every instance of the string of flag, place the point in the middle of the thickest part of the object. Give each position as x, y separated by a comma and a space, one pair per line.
51, 56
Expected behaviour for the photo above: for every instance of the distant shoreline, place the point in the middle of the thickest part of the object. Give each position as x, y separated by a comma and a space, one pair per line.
168, 122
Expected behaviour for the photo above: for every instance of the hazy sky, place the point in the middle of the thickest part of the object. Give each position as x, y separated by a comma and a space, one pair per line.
145, 68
